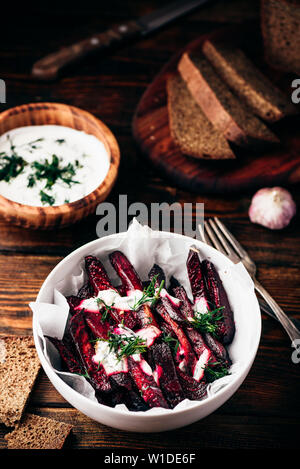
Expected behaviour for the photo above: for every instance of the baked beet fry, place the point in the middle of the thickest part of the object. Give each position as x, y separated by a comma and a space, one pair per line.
197, 281
96, 324
185, 354
157, 271
193, 390
148, 388
67, 355
202, 349
80, 336
98, 277
218, 296
73, 302
131, 281
218, 349
123, 388
126, 271
86, 291
173, 309
215, 346
199, 346
124, 385
166, 373
179, 292
100, 281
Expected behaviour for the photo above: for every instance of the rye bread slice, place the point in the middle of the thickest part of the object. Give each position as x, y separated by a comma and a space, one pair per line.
280, 25
247, 81
35, 432
19, 366
189, 127
222, 108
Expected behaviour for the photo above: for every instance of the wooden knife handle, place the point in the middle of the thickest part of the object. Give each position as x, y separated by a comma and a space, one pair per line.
48, 67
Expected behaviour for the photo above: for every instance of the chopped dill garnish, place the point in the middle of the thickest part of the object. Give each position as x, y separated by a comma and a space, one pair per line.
207, 322
46, 198
215, 372
31, 181
11, 166
53, 171
77, 164
150, 294
124, 346
32, 144
101, 303
60, 141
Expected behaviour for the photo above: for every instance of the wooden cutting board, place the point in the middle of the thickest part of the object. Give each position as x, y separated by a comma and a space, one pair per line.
279, 166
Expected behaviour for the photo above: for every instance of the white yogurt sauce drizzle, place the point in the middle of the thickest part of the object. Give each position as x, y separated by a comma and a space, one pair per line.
111, 297
84, 152
109, 359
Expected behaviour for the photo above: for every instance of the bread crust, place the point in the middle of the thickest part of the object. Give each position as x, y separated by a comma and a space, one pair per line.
205, 96
36, 432
247, 82
263, 26
196, 117
19, 367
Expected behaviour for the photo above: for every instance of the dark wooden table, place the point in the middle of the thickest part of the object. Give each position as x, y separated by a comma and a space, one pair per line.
265, 411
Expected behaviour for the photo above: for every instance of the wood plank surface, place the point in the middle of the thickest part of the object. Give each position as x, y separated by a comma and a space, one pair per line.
265, 411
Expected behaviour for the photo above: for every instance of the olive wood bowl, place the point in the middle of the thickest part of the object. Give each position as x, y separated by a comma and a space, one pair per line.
69, 116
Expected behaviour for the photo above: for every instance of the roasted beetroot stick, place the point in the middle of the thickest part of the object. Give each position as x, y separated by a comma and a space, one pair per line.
197, 282
145, 383
125, 386
160, 351
86, 291
85, 350
97, 274
157, 271
131, 281
172, 308
215, 346
122, 383
73, 302
193, 390
179, 292
189, 359
218, 296
96, 324
203, 350
218, 349
166, 373
100, 281
126, 271
67, 355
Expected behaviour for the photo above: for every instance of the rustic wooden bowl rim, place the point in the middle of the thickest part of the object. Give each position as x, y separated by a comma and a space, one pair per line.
62, 107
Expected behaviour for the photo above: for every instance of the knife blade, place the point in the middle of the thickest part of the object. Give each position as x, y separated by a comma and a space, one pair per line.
48, 67
166, 14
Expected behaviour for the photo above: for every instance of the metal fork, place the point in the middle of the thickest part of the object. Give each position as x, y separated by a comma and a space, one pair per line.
217, 235
266, 309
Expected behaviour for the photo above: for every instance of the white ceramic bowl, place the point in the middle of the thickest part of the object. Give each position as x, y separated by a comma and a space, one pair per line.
248, 329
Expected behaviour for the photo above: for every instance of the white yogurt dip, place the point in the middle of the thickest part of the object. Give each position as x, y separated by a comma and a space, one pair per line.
58, 164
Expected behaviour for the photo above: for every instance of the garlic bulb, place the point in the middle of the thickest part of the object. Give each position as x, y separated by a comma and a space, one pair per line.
272, 207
